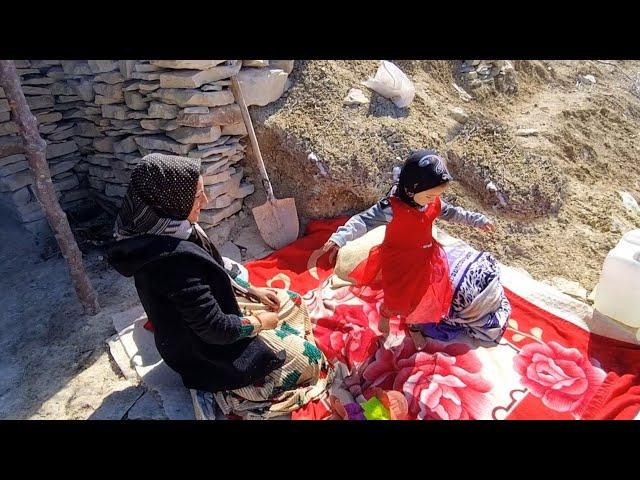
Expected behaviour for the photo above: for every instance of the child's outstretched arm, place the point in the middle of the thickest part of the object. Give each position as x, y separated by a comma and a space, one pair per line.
460, 215
379, 214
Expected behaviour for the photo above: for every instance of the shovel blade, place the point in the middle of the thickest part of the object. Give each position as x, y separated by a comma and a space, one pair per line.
277, 222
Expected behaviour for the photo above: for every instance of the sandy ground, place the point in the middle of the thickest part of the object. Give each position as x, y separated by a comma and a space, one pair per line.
54, 362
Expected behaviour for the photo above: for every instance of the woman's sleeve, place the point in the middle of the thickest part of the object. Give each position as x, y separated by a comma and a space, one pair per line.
460, 215
380, 214
194, 300
234, 274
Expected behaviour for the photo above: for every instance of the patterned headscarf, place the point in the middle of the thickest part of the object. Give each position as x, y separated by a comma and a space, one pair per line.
424, 169
160, 197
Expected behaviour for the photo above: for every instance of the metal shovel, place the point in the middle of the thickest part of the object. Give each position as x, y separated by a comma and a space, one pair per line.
277, 220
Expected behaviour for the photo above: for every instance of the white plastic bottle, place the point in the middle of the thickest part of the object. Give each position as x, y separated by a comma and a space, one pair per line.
618, 292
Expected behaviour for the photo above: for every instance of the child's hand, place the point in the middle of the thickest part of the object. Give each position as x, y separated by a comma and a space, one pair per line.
332, 248
488, 227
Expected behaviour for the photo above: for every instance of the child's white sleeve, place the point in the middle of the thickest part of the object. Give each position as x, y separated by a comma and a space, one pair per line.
380, 214
460, 215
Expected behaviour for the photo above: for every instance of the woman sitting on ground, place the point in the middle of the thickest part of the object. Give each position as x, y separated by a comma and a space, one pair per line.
252, 347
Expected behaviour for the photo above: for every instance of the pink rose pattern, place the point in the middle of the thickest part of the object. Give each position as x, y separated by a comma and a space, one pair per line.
563, 378
443, 381
440, 382
346, 336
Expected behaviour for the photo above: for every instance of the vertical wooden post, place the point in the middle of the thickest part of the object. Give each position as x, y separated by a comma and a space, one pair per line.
35, 150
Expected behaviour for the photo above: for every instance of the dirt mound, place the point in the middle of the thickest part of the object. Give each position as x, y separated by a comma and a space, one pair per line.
546, 160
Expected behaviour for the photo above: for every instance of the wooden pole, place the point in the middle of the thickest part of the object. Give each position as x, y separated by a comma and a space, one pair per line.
35, 150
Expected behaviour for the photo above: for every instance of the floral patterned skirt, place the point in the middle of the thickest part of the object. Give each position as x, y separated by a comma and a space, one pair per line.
305, 376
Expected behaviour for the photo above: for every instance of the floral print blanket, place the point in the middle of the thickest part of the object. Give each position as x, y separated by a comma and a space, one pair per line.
545, 366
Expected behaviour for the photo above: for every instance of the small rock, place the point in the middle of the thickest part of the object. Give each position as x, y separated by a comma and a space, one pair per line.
250, 240
148, 407
231, 250
286, 65
128, 145
66, 183
38, 81
464, 96
356, 97
196, 78
213, 217
216, 178
224, 115
113, 190
117, 112
110, 77
108, 94
191, 97
21, 196
587, 79
162, 110
145, 67
55, 150
262, 86
244, 190
135, 101
617, 226
102, 66
40, 102
189, 135
313, 158
571, 288
147, 75
491, 187
75, 67
235, 129
255, 63
629, 202
196, 110
526, 132
13, 168
160, 142
459, 115
187, 64
64, 166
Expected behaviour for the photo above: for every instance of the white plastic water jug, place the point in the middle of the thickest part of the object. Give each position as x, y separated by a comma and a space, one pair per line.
618, 293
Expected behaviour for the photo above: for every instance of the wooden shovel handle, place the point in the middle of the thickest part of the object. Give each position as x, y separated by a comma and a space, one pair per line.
237, 92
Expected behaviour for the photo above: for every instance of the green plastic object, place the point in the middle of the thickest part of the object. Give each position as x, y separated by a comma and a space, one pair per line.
375, 410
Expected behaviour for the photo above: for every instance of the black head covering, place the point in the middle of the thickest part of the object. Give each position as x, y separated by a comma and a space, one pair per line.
160, 196
424, 169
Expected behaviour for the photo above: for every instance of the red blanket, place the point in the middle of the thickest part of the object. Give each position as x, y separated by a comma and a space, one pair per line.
544, 368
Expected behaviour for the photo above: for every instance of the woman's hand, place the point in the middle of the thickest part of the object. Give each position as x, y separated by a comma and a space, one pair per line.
488, 227
332, 248
267, 297
268, 320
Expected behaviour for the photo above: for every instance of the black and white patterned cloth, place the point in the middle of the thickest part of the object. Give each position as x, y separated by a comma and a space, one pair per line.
479, 309
160, 197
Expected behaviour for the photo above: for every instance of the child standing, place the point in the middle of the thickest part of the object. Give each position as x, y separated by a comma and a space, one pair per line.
409, 267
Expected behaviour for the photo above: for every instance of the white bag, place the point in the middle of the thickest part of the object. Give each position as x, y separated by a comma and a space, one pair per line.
392, 83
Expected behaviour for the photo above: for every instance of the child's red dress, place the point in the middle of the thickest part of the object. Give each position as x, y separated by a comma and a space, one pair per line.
410, 267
